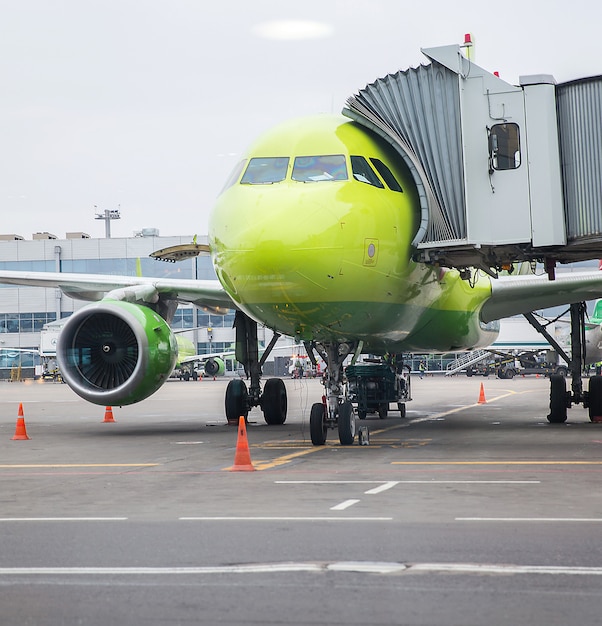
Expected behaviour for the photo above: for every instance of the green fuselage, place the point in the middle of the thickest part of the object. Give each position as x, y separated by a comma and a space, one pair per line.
329, 259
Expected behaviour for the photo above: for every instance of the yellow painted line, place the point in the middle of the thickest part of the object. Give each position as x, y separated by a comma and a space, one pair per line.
286, 458
66, 465
496, 463
283, 460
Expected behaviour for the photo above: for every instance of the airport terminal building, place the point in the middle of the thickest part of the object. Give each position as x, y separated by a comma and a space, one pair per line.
24, 311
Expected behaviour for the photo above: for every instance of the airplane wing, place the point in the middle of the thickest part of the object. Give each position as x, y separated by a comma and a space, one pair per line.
513, 295
94, 287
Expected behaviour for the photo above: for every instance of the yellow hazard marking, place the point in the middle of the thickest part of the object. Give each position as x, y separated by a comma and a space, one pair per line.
409, 443
496, 463
67, 465
286, 458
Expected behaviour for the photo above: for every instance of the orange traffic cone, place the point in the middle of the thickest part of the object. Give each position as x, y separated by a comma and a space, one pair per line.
482, 396
20, 430
108, 414
242, 456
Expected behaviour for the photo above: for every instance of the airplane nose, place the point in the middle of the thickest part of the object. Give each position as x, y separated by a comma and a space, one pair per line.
262, 241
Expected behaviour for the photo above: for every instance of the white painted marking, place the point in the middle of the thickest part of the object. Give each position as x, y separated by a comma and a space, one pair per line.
384, 487
187, 443
529, 519
369, 567
391, 483
470, 482
286, 519
224, 569
63, 519
328, 482
343, 505
477, 568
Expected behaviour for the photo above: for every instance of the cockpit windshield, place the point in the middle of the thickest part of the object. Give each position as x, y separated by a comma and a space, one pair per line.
265, 170
308, 169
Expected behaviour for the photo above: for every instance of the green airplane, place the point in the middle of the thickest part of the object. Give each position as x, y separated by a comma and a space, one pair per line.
311, 237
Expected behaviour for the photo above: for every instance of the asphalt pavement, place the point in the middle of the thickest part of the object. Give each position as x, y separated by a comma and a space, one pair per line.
463, 512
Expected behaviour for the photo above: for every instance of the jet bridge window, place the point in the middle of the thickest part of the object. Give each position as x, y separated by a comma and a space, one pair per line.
265, 170
364, 173
308, 169
504, 147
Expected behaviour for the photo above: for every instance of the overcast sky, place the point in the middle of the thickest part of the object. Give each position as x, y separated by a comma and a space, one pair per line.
146, 105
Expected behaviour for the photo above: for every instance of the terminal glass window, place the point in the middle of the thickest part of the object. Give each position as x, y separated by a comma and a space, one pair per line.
363, 172
319, 168
504, 147
265, 170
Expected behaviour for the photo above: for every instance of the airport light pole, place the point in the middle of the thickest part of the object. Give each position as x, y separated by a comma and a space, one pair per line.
107, 215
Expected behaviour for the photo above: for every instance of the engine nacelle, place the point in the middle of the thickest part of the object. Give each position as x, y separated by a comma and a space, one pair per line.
214, 367
115, 352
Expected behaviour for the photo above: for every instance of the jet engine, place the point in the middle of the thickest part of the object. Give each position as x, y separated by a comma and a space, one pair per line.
214, 367
115, 352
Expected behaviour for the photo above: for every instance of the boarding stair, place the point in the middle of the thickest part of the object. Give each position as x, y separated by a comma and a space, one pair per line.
467, 359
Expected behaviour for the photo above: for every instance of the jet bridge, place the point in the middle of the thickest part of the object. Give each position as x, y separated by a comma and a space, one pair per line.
504, 173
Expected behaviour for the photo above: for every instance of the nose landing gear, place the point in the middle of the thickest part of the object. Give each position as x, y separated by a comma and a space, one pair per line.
335, 411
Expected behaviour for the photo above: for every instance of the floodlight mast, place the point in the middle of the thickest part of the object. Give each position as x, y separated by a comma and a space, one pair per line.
107, 215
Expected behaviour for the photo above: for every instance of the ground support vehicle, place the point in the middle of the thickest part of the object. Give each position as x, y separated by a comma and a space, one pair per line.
372, 387
544, 363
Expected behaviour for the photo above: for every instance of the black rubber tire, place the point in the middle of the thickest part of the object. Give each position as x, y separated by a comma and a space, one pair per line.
317, 424
595, 398
346, 424
402, 409
558, 402
237, 400
274, 402
361, 415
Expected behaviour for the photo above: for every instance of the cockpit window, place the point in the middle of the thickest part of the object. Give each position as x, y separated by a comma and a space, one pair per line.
364, 173
386, 174
265, 170
234, 174
318, 168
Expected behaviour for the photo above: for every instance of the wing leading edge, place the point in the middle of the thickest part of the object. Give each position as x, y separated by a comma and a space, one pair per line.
94, 287
513, 295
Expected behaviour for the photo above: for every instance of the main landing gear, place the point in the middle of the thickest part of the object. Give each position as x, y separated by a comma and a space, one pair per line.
239, 398
335, 411
562, 399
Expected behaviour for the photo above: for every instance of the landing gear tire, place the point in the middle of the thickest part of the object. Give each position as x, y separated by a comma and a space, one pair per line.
317, 424
346, 424
558, 401
402, 409
274, 402
595, 398
237, 400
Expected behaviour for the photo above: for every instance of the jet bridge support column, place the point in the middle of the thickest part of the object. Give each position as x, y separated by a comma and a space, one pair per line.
577, 352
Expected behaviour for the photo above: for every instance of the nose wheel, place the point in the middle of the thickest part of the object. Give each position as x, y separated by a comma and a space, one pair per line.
317, 424
344, 421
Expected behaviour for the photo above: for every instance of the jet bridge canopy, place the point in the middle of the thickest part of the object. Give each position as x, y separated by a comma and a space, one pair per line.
504, 173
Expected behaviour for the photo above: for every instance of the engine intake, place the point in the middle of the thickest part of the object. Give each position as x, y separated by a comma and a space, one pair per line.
116, 352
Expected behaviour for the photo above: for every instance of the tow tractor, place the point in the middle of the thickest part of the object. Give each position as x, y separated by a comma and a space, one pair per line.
374, 384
